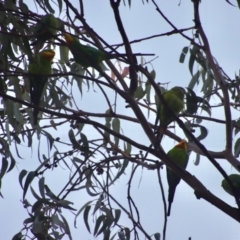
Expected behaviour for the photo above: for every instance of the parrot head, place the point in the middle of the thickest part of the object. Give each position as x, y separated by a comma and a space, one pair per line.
182, 144
179, 91
69, 38
224, 183
235, 179
47, 54
60, 24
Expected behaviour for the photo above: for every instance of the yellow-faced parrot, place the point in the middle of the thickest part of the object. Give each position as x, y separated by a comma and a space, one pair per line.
88, 56
46, 29
39, 68
174, 98
179, 155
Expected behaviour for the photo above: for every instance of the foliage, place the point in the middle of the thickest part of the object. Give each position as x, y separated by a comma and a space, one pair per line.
97, 149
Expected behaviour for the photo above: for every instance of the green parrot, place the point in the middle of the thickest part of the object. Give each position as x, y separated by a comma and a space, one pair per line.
46, 29
180, 156
174, 98
39, 67
88, 56
235, 179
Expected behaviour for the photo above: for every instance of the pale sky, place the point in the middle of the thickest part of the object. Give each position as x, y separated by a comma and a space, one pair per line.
189, 217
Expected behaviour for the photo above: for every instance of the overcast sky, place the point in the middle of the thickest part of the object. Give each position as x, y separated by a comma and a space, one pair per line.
189, 217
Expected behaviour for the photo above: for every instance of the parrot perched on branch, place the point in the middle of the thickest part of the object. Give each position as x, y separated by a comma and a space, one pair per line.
235, 179
180, 156
174, 98
39, 68
46, 29
88, 56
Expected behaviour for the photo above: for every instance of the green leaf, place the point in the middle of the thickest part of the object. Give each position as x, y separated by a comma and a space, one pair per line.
85, 147
121, 235
108, 119
127, 148
64, 51
192, 58
31, 175
5, 146
39, 204
117, 215
3, 167
157, 236
107, 223
237, 129
238, 2
148, 90
197, 160
116, 128
41, 185
60, 5
17, 113
183, 54
9, 110
21, 176
106, 234
8, 132
203, 131
121, 171
12, 163
78, 72
139, 93
237, 148
23, 7
80, 210
55, 97
49, 138
194, 80
230, 2
17, 140
66, 226
206, 109
18, 236
73, 139
29, 136
153, 74
34, 194
192, 102
100, 220
89, 186
48, 6
85, 217
127, 233
50, 194
106, 133
98, 204
65, 204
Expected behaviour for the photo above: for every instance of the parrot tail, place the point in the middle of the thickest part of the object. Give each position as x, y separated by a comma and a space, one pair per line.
160, 132
171, 193
169, 209
35, 116
36, 101
118, 55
